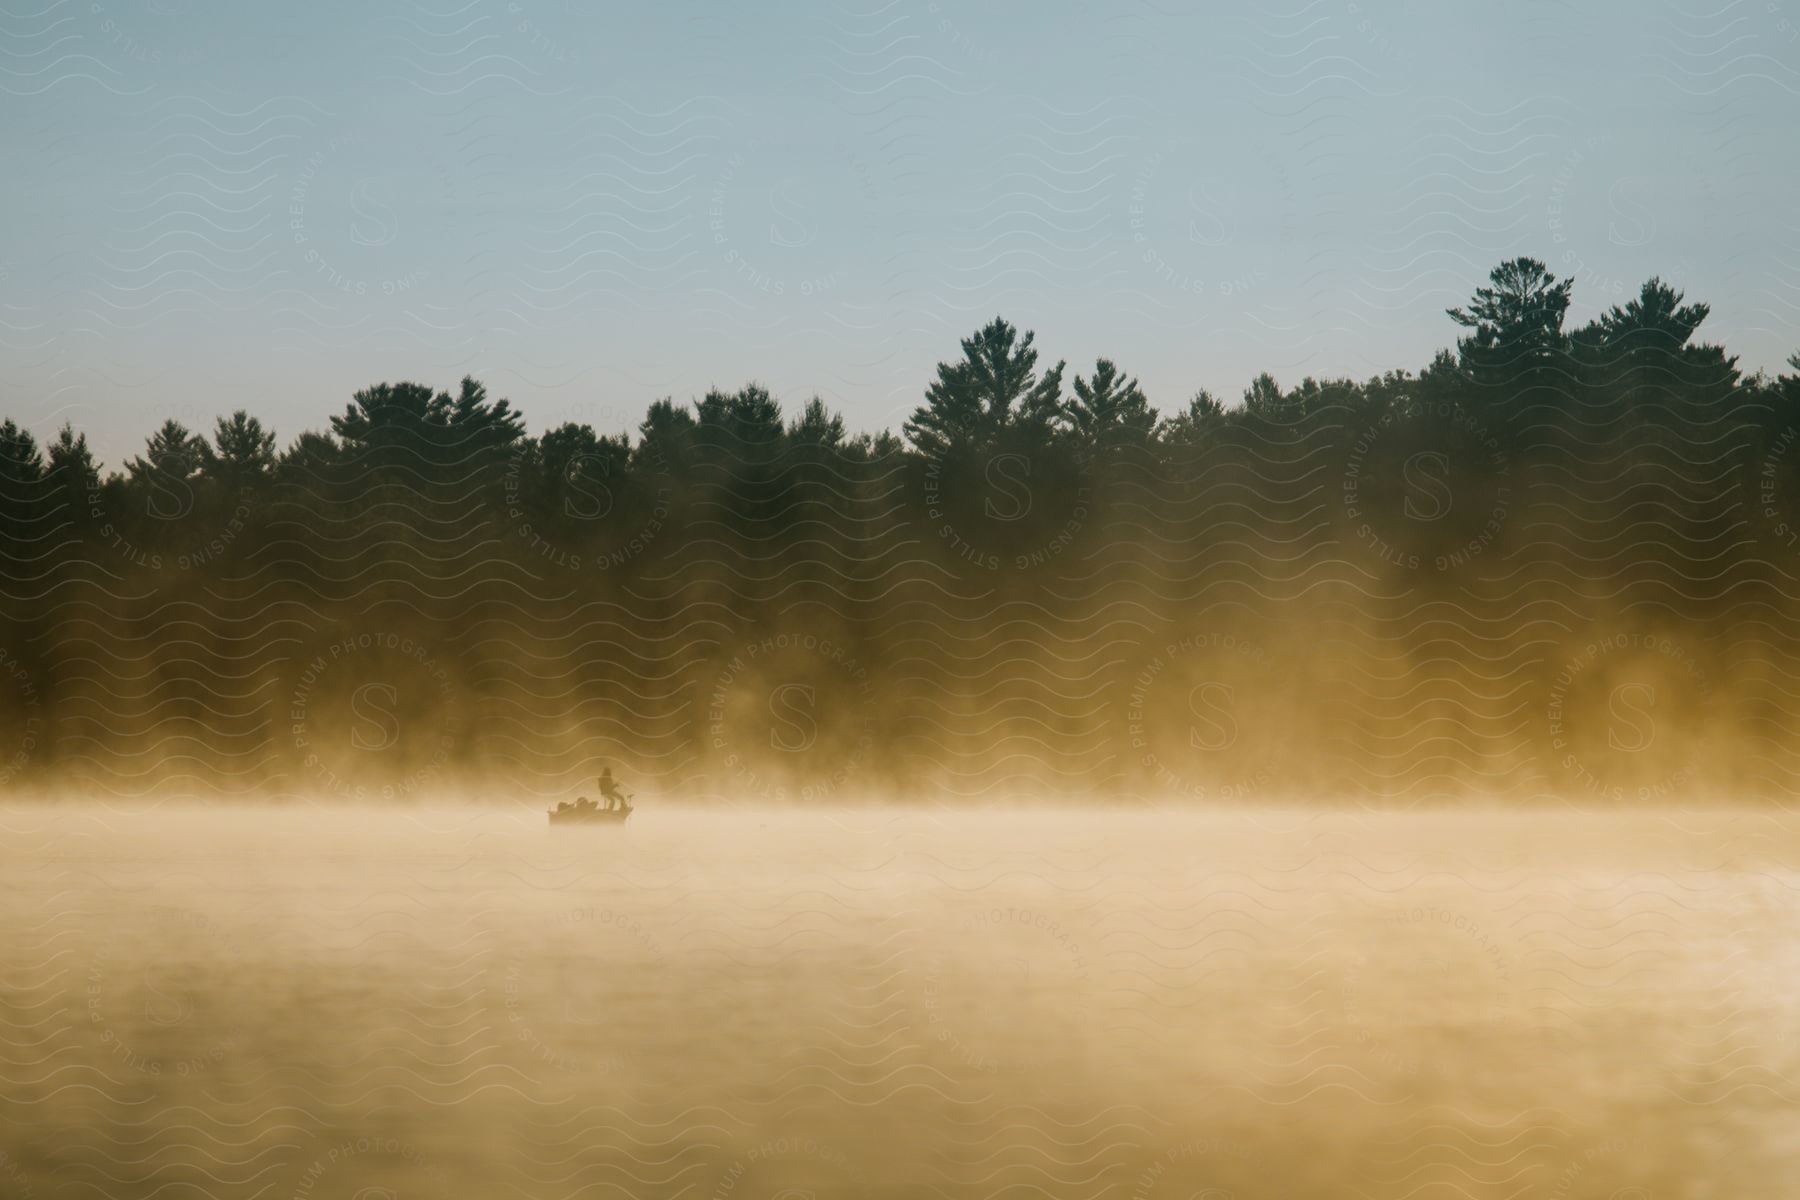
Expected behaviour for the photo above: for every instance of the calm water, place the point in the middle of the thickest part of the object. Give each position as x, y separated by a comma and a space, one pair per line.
467, 1004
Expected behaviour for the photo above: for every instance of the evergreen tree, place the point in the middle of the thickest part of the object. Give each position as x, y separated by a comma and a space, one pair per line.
484, 429
665, 438
572, 477
1110, 410
816, 426
243, 451
1517, 320
747, 418
1197, 424
161, 482
22, 494
1263, 399
994, 389
1654, 329
392, 425
74, 478
20, 461
310, 456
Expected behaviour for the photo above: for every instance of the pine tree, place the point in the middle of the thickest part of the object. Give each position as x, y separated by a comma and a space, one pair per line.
1110, 410
1654, 329
161, 482
244, 452
748, 417
1515, 322
487, 428
20, 462
817, 426
393, 425
1263, 398
22, 494
1196, 425
74, 478
994, 390
665, 438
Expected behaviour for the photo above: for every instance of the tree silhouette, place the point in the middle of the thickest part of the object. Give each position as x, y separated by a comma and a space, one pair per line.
74, 478
20, 462
644, 559
21, 493
484, 432
1654, 329
564, 484
311, 455
1263, 398
392, 425
1110, 410
817, 426
1516, 320
666, 438
172, 452
244, 452
1195, 425
995, 389
161, 482
746, 422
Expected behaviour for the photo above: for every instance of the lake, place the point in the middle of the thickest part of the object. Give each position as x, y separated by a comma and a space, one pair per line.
459, 1002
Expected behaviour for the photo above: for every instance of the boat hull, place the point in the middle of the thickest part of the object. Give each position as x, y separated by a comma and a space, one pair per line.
598, 816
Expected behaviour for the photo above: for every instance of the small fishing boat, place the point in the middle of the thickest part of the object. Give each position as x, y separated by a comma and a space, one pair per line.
576, 814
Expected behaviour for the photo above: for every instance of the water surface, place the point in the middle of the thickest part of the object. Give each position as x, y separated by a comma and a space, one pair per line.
456, 1002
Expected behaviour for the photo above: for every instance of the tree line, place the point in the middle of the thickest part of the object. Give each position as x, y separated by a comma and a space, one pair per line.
995, 581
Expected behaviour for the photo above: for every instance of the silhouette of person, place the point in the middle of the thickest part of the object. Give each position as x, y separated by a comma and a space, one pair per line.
609, 789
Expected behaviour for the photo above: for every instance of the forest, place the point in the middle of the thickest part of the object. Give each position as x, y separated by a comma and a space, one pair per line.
1555, 565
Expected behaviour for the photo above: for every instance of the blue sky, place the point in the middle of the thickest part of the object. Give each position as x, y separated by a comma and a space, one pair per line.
216, 205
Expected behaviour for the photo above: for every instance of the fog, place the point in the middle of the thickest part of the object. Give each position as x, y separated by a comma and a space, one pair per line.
445, 1001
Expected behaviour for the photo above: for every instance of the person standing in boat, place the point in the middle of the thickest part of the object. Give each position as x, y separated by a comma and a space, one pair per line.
609, 791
